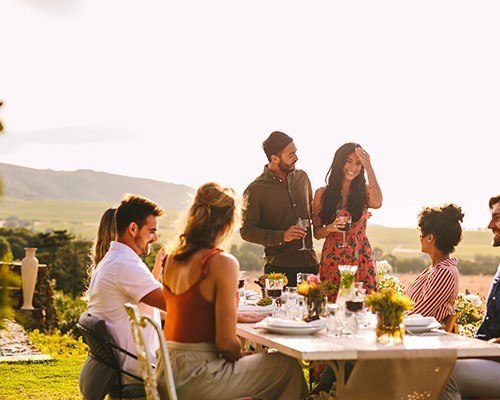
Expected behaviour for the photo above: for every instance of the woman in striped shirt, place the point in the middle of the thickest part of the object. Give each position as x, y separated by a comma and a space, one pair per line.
435, 290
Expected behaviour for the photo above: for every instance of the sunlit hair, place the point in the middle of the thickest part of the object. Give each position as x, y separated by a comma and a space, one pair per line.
210, 220
444, 223
331, 201
106, 233
135, 208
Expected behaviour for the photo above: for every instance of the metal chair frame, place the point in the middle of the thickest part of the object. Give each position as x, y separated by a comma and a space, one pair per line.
137, 324
103, 350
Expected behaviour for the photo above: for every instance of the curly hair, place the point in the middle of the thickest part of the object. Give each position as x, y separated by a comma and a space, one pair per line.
332, 199
210, 220
444, 223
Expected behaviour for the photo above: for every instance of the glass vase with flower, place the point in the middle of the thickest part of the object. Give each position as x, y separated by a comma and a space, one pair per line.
346, 289
316, 293
390, 307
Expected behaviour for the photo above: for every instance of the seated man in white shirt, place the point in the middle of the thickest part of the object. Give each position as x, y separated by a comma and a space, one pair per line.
122, 276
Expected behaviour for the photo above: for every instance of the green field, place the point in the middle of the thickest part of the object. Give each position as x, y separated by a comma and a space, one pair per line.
81, 218
78, 217
405, 242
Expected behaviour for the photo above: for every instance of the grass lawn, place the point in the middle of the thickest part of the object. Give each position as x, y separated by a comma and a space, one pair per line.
53, 380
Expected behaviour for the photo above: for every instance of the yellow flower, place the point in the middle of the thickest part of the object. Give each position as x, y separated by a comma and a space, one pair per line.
278, 275
303, 288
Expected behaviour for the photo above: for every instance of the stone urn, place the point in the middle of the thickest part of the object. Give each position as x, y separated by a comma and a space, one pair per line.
29, 274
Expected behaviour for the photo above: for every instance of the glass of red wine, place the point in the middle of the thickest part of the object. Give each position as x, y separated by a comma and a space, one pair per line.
241, 287
304, 223
346, 219
356, 305
274, 290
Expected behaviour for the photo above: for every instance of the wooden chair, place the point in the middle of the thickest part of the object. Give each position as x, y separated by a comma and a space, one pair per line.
137, 324
108, 372
449, 323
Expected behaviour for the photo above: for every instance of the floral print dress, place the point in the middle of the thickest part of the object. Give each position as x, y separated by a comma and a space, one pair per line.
358, 251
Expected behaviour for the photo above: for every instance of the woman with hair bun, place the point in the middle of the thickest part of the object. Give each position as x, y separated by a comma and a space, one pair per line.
435, 290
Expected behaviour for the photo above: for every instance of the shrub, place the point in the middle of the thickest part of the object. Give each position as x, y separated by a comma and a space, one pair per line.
68, 310
58, 345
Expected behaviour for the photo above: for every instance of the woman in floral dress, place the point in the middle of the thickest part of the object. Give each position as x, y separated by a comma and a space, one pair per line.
347, 193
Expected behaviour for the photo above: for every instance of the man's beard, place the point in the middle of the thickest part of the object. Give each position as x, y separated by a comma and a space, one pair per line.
496, 241
286, 168
144, 248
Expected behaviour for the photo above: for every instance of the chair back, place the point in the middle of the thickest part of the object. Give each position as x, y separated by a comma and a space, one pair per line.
449, 323
101, 373
137, 324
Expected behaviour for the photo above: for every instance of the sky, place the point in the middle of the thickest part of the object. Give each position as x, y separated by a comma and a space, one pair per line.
185, 92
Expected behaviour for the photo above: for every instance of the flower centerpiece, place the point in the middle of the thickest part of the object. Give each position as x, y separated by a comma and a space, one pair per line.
470, 312
390, 307
316, 293
385, 279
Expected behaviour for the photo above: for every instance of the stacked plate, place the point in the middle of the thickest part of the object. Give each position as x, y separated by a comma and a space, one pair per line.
419, 324
255, 308
291, 327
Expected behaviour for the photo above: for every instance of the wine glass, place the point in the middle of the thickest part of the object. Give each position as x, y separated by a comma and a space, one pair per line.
241, 287
304, 223
274, 289
346, 219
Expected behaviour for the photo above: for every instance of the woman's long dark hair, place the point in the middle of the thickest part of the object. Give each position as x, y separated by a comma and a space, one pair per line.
332, 199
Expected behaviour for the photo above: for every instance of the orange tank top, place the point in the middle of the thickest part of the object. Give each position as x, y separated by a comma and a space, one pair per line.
190, 317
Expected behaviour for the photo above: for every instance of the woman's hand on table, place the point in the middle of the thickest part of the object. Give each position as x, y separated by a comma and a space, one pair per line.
250, 317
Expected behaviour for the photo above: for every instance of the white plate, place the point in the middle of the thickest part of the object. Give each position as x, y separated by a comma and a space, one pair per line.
292, 330
260, 309
418, 321
421, 329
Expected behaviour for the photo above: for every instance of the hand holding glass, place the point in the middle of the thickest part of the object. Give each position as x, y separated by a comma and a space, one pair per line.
304, 223
346, 219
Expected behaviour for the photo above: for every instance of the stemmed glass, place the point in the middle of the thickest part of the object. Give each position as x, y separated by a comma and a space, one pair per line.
241, 287
304, 223
274, 289
346, 219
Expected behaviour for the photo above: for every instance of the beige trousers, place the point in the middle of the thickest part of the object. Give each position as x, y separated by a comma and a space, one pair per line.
200, 373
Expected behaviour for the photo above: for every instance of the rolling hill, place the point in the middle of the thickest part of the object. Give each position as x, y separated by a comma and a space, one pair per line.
89, 186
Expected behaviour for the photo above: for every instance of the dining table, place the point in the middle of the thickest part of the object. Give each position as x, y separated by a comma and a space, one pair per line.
417, 368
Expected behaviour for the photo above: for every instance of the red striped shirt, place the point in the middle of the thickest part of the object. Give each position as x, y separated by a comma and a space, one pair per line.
435, 290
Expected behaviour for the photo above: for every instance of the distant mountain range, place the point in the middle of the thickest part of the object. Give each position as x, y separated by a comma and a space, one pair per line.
87, 185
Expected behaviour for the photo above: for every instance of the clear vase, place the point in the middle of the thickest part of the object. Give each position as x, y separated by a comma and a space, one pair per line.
346, 290
389, 330
316, 308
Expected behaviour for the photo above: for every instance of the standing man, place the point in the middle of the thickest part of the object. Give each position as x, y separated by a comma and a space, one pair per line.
274, 202
122, 277
479, 378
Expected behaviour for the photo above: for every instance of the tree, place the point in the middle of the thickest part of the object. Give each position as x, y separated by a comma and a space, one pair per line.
5, 252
